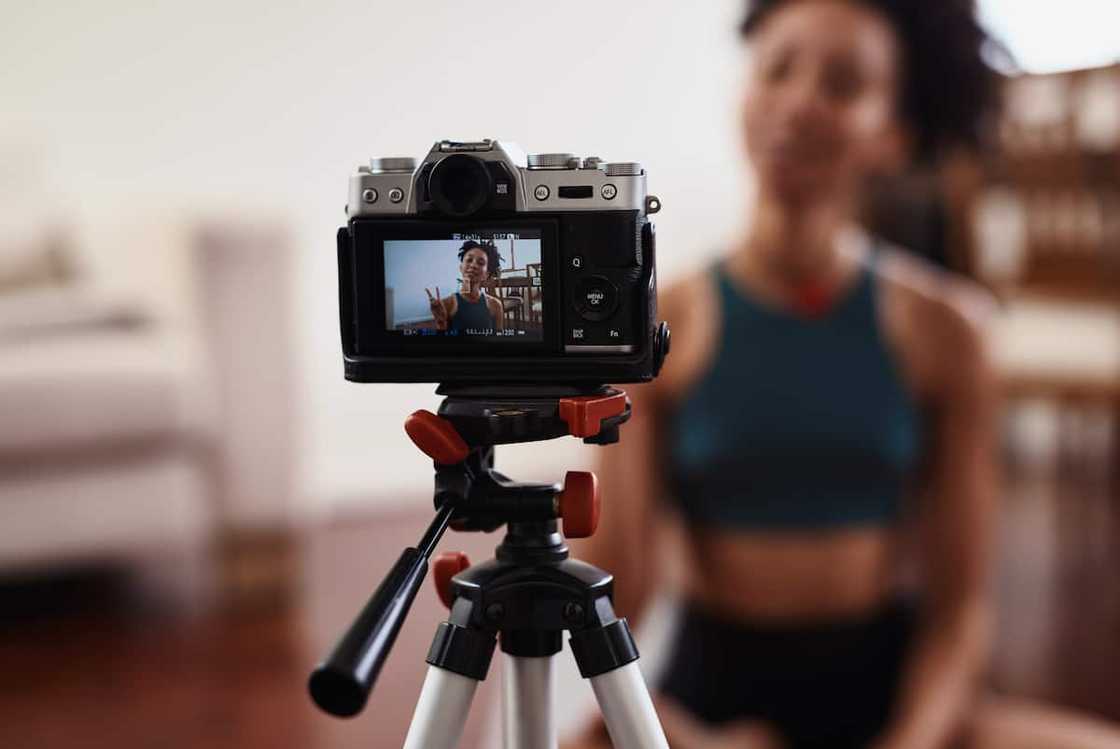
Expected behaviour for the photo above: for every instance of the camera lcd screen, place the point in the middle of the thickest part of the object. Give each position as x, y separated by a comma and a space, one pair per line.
470, 286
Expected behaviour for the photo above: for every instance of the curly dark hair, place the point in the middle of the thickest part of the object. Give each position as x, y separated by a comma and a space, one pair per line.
493, 259
950, 95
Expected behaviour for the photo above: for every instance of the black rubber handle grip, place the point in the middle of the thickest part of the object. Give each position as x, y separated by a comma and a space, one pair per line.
341, 684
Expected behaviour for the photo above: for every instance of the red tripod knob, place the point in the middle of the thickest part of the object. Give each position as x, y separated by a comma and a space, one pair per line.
446, 566
436, 438
579, 504
584, 414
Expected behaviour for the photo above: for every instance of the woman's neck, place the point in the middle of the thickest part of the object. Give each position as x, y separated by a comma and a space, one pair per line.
471, 292
788, 248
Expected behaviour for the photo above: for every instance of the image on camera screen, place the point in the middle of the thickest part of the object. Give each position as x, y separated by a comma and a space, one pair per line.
482, 285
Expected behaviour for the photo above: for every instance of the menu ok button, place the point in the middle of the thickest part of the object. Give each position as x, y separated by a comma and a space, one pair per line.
595, 298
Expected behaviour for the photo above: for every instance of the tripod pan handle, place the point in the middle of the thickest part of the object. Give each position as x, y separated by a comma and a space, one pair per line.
340, 685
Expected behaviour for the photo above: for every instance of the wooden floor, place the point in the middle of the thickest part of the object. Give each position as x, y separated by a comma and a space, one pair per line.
109, 660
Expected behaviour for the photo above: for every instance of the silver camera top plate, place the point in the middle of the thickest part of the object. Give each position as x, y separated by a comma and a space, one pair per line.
541, 183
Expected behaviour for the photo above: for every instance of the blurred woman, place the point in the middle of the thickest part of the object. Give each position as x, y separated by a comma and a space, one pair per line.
839, 389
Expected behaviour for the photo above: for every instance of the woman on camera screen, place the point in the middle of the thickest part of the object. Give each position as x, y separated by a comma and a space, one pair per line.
470, 308
825, 427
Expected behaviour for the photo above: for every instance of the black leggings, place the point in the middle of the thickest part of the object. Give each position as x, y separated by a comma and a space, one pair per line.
821, 685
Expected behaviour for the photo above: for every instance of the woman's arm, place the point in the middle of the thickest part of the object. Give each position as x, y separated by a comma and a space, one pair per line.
940, 679
628, 477
442, 309
628, 541
451, 305
497, 311
629, 480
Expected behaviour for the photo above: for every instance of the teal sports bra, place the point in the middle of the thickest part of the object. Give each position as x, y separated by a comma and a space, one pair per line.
799, 423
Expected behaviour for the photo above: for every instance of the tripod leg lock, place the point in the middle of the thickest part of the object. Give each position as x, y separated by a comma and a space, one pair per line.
598, 650
462, 650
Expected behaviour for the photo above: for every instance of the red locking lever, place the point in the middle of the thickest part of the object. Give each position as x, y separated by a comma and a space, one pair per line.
436, 438
584, 414
446, 566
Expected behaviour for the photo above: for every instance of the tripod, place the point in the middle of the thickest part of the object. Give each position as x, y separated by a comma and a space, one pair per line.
526, 597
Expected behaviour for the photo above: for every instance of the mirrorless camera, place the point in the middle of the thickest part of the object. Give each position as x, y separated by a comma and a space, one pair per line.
484, 265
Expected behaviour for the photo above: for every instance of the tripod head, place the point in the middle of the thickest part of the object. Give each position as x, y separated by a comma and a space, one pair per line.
471, 496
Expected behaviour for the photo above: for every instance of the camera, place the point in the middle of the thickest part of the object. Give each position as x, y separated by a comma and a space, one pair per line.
484, 265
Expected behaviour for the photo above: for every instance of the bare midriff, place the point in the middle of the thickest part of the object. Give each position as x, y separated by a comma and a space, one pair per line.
790, 576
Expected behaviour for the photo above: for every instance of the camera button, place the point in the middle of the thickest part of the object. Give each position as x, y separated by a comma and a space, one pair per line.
369, 195
396, 195
577, 262
541, 192
596, 298
609, 192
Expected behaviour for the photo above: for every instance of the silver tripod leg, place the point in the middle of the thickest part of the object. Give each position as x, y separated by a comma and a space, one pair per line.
628, 709
527, 703
441, 711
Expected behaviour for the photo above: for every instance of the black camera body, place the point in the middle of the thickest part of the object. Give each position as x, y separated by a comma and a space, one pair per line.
481, 265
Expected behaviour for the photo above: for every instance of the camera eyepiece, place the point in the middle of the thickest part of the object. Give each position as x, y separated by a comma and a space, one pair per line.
460, 185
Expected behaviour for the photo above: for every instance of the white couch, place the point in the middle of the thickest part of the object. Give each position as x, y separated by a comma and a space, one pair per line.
134, 414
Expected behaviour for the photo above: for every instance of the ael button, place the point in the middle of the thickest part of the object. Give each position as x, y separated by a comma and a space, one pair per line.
595, 298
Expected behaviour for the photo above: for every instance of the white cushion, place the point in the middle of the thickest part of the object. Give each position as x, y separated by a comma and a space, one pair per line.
104, 510
59, 310
99, 388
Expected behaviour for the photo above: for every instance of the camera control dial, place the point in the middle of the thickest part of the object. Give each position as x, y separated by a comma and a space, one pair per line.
392, 164
624, 169
553, 161
595, 298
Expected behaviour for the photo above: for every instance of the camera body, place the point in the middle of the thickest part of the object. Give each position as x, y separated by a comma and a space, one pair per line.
482, 265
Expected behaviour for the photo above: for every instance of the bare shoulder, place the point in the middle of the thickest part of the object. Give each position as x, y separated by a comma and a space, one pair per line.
677, 302
690, 306
938, 312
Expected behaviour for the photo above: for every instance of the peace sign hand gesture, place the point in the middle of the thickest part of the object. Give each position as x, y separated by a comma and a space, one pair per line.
439, 312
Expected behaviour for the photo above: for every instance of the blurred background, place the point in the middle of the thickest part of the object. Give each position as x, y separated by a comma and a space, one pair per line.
194, 503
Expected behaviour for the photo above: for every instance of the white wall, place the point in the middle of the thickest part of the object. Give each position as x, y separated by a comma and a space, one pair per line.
264, 109
1047, 37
